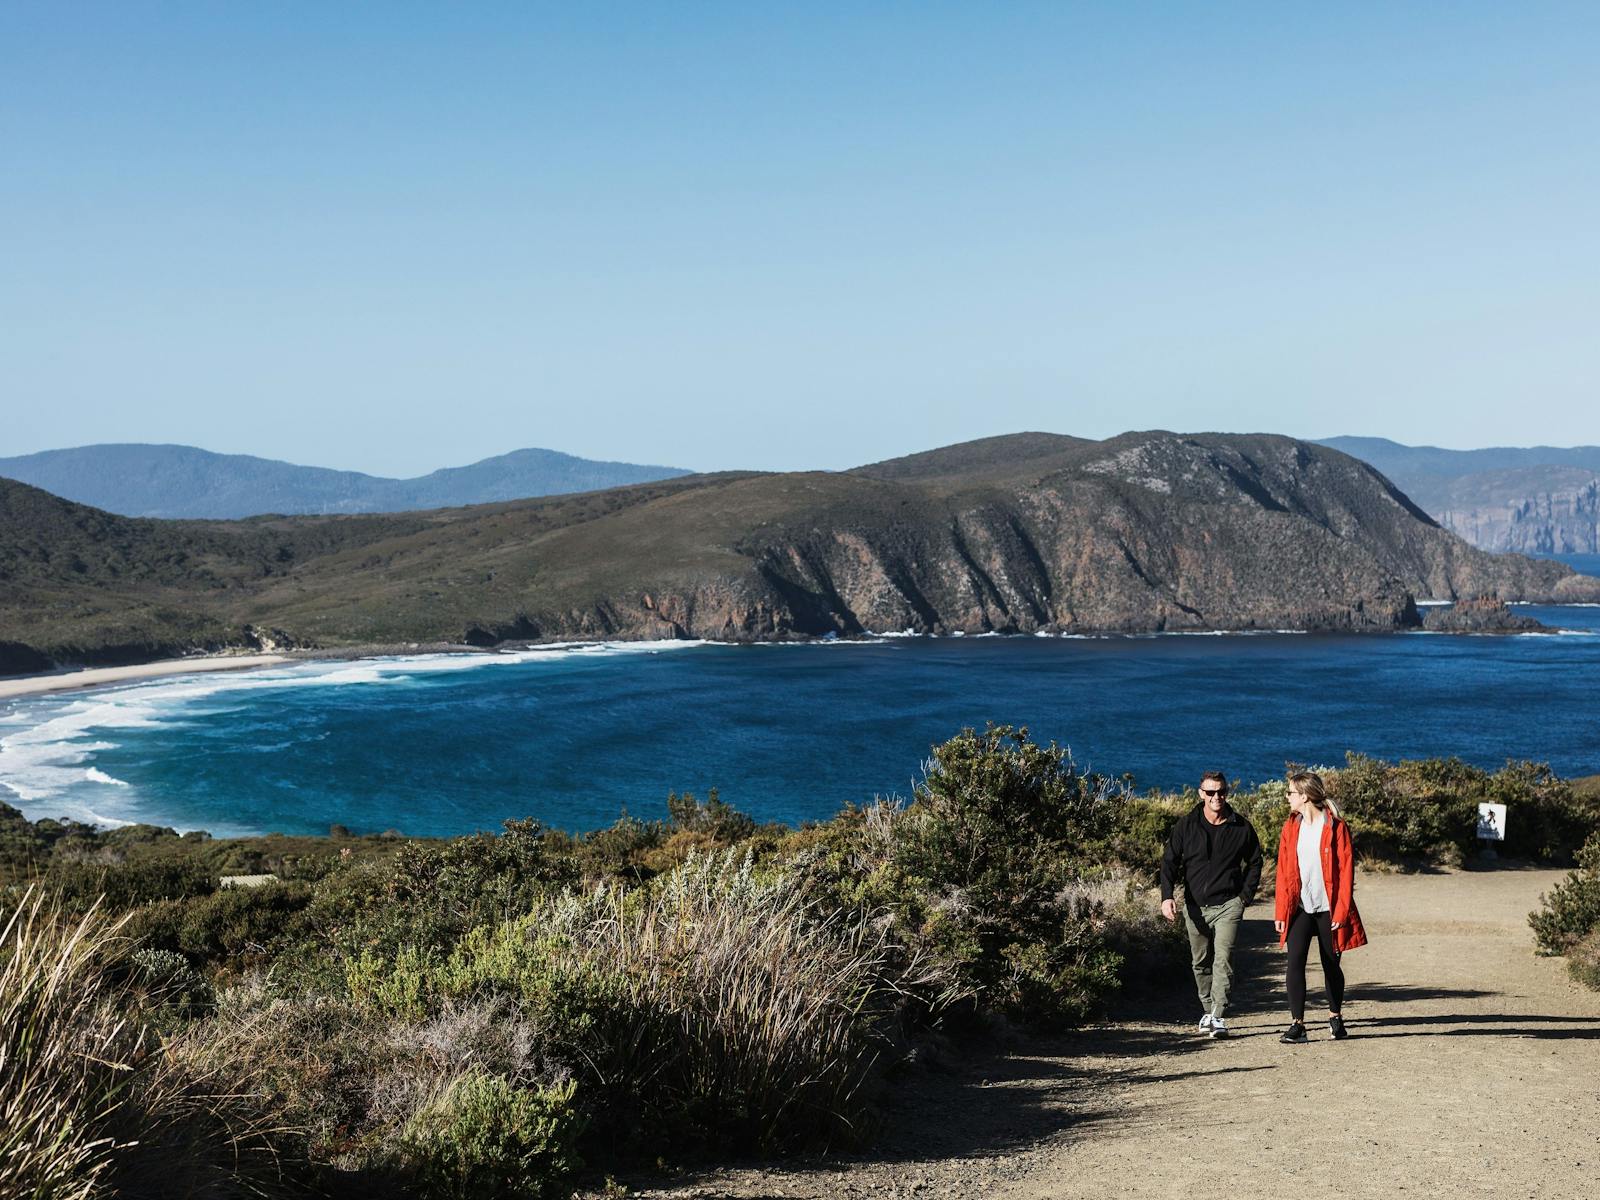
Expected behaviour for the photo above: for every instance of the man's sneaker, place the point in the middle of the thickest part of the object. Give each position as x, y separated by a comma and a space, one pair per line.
1205, 1022
1294, 1035
1336, 1027
1219, 1028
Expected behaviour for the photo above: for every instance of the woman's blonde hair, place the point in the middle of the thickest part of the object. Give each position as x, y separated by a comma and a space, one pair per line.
1314, 790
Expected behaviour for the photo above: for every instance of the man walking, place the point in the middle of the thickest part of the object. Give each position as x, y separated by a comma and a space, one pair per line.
1216, 853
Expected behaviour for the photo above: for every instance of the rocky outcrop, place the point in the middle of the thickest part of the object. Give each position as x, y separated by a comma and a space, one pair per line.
1483, 614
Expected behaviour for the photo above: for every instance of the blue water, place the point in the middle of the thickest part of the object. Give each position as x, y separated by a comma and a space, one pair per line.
448, 745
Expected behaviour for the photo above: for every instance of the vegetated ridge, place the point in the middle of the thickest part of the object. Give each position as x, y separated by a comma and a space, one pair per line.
1022, 534
183, 481
1530, 500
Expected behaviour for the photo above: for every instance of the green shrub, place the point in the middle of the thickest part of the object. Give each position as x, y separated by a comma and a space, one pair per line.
1547, 819
1583, 960
1142, 830
429, 894
234, 928
1427, 810
989, 871
1423, 810
1571, 911
120, 887
716, 817
1266, 808
622, 850
484, 1138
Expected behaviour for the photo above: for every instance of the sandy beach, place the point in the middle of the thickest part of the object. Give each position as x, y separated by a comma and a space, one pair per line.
66, 681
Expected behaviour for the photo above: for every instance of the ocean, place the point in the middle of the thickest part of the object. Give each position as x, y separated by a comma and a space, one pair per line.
575, 736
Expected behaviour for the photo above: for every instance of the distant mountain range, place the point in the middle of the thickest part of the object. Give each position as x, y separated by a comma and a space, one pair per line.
183, 481
1026, 533
1527, 499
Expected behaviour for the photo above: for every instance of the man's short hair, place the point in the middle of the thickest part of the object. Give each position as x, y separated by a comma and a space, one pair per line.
1220, 776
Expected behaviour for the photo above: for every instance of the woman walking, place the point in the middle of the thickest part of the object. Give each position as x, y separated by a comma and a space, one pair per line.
1315, 899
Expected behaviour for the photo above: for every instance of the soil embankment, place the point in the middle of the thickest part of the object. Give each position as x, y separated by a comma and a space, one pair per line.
1471, 1071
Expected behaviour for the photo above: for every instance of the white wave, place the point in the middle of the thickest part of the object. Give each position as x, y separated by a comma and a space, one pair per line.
46, 750
1434, 603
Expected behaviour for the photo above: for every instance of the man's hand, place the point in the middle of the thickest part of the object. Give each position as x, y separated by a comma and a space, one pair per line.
1169, 910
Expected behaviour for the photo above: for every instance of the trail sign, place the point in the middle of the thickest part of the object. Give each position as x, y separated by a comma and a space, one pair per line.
1492, 822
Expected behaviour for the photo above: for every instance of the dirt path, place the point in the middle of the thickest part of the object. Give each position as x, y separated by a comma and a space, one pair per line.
1473, 1069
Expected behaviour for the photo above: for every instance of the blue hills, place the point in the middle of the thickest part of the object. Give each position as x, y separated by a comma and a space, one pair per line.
137, 480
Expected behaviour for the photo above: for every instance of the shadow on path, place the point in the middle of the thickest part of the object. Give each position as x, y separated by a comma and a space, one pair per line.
1365, 992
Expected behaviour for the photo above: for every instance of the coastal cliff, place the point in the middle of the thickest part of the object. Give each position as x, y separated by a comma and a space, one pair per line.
1026, 533
1522, 500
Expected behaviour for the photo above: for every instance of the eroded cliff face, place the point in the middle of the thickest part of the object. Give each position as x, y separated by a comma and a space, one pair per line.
1556, 521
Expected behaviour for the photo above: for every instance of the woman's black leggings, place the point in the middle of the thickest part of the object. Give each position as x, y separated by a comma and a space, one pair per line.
1301, 929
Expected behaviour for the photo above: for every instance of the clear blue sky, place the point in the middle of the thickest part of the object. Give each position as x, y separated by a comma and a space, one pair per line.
393, 237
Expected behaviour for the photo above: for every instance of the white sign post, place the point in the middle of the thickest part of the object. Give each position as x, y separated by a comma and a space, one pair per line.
1491, 827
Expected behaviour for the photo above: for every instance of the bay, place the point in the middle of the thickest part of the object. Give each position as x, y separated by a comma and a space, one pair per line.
574, 736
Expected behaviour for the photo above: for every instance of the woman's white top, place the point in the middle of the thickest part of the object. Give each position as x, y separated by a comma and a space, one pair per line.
1313, 891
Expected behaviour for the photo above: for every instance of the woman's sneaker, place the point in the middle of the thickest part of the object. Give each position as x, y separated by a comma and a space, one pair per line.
1294, 1035
1336, 1027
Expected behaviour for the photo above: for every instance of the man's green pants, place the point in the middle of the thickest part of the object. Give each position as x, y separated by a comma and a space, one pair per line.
1212, 928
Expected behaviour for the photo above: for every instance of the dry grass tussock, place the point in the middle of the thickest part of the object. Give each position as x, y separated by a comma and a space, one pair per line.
91, 1101
743, 1002
719, 1005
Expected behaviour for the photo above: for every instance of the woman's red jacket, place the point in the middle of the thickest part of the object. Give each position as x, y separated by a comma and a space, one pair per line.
1338, 876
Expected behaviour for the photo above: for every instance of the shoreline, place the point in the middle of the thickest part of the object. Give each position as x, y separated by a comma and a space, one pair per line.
16, 687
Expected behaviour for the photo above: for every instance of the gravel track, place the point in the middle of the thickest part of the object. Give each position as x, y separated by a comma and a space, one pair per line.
1472, 1069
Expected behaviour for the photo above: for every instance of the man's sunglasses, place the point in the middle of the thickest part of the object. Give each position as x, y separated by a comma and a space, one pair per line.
1213, 791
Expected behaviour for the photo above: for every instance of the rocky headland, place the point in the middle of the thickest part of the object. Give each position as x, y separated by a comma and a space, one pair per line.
1026, 533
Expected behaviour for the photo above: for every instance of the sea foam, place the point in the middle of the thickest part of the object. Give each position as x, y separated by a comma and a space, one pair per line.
49, 743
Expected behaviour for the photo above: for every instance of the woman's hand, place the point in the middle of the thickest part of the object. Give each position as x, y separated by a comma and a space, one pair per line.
1334, 924
1277, 926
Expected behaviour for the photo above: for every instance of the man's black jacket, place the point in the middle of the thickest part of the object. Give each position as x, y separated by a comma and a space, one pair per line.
1215, 862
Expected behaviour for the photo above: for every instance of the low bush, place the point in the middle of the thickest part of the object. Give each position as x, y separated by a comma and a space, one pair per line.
992, 872
485, 1139
1427, 810
120, 887
1583, 960
232, 929
1570, 913
429, 894
1142, 830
